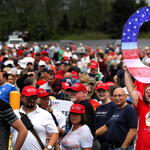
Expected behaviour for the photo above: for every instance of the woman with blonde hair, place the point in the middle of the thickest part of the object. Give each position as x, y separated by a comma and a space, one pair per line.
83, 78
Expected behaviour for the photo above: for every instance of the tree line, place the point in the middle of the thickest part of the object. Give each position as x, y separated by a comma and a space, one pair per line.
51, 19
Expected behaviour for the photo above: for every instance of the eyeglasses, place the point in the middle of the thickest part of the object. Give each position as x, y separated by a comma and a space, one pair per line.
34, 97
119, 95
89, 92
42, 66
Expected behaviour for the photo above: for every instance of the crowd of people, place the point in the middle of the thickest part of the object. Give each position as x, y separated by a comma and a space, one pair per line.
110, 108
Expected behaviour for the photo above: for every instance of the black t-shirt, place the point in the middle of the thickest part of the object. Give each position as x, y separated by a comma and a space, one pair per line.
103, 113
74, 68
7, 116
91, 122
95, 97
120, 123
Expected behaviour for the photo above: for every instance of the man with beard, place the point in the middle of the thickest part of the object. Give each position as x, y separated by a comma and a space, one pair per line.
41, 120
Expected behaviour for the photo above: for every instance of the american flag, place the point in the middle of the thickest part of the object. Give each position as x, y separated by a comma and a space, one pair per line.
129, 45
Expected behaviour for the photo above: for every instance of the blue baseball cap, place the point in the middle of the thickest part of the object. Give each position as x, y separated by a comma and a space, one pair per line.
129, 99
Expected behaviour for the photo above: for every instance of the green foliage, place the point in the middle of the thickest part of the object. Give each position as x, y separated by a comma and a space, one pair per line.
55, 19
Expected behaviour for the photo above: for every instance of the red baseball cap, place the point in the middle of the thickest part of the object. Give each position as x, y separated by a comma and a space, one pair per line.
74, 74
42, 92
58, 77
29, 91
20, 53
102, 86
44, 53
46, 58
110, 83
78, 87
94, 65
65, 85
77, 108
65, 58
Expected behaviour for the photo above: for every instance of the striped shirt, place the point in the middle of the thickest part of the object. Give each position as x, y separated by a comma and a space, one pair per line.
7, 116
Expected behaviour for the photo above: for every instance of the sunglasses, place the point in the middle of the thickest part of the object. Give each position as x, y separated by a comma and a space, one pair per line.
34, 97
89, 92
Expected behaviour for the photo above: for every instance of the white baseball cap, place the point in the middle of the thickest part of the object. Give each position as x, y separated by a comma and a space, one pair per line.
41, 63
22, 63
18, 71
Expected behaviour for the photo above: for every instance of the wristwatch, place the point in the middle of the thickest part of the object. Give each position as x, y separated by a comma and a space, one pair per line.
122, 148
49, 147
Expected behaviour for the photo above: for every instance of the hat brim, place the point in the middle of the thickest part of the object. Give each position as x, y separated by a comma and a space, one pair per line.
44, 95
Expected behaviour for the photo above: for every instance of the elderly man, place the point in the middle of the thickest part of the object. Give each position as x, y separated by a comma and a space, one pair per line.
121, 127
40, 121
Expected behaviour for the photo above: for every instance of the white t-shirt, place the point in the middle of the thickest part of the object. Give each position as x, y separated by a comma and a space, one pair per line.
68, 54
61, 118
43, 124
78, 139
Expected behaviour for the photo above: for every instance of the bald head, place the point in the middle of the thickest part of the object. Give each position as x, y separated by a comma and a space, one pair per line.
119, 90
119, 97
68, 75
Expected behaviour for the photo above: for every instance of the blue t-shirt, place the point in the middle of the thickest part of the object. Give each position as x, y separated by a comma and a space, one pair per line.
103, 113
5, 90
119, 124
59, 96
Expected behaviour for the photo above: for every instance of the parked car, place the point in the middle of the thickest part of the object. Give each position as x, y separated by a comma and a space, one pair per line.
25, 35
15, 41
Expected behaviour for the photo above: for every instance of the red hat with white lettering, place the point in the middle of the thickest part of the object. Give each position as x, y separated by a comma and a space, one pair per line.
74, 74
65, 85
42, 92
78, 87
110, 83
94, 65
102, 86
77, 108
29, 91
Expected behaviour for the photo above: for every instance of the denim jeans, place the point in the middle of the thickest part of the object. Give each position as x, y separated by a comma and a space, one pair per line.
131, 147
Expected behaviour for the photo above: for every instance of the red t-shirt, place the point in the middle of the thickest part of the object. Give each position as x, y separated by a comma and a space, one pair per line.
94, 104
60, 72
40, 82
140, 86
143, 138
